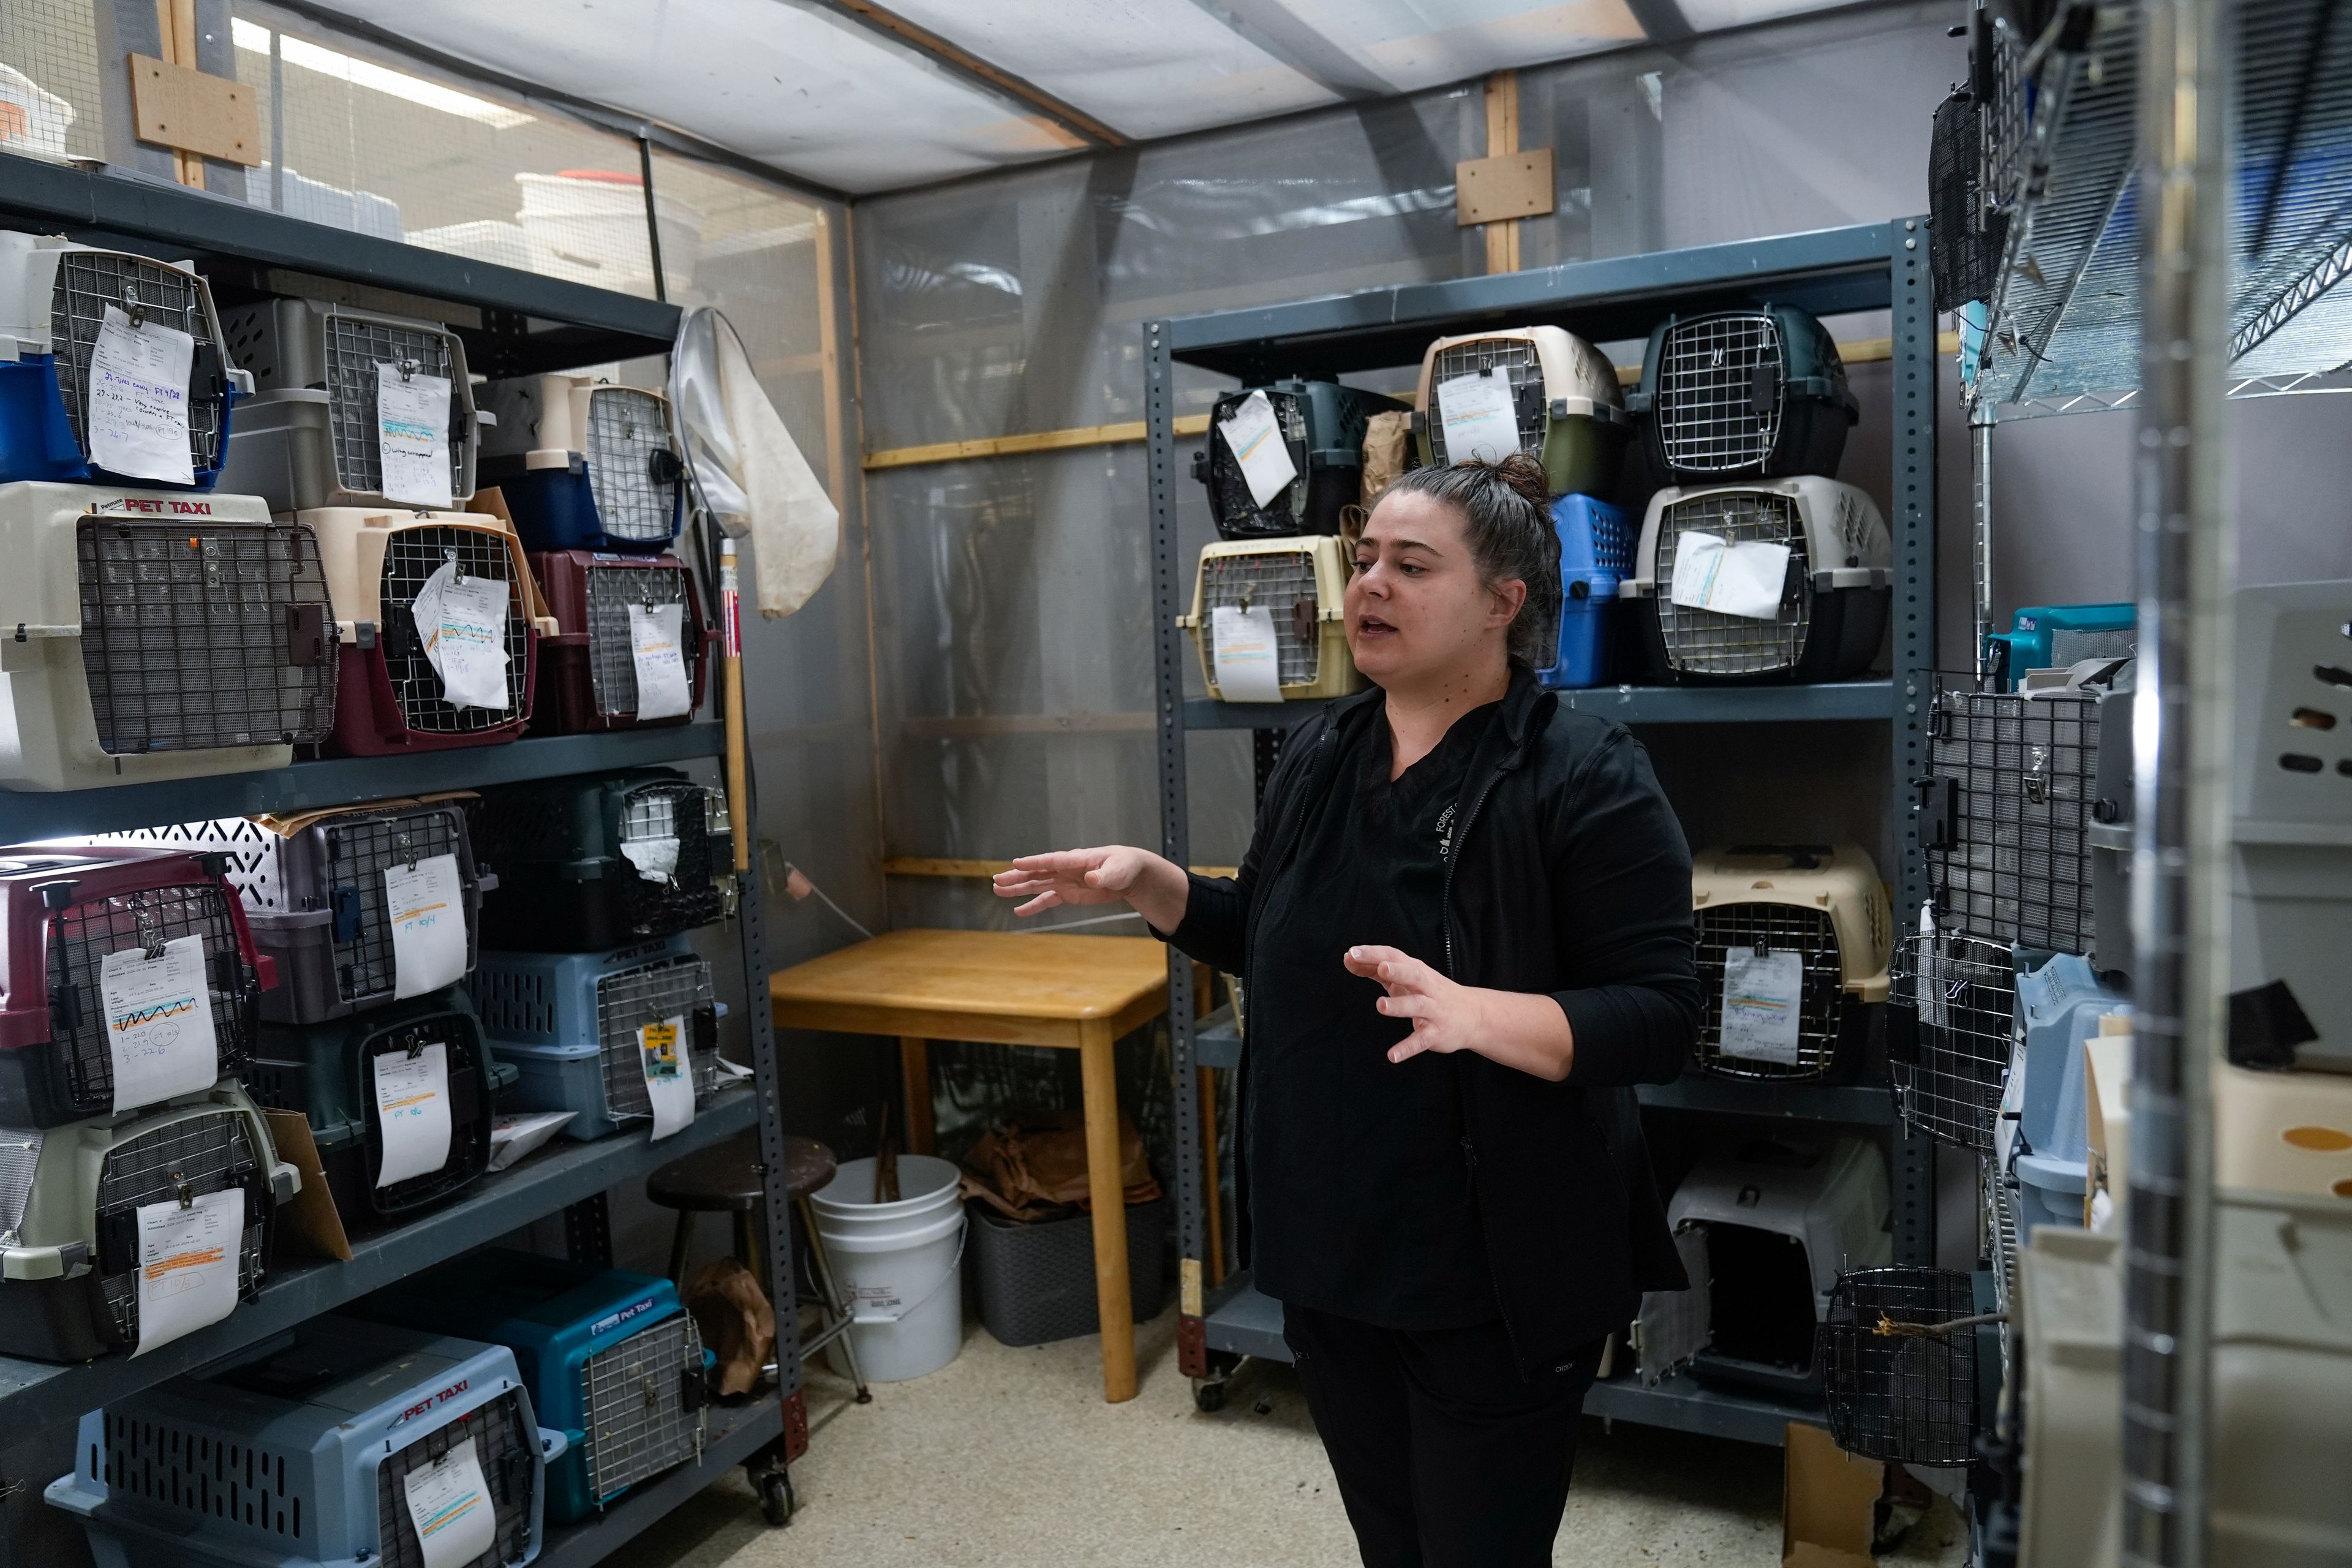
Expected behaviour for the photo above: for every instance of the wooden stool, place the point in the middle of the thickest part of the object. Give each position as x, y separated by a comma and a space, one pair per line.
727, 1178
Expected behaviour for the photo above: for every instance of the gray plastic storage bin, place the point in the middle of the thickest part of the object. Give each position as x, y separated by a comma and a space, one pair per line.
1037, 1281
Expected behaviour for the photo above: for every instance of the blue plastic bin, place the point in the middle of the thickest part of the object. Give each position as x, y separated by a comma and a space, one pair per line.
2053, 636
2058, 1008
1596, 549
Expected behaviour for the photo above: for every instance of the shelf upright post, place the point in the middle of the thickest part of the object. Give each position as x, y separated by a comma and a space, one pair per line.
776, 1209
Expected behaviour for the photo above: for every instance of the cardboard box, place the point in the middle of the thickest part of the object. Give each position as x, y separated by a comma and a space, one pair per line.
1828, 1503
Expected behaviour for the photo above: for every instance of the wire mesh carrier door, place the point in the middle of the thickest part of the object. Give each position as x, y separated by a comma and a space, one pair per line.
1564, 399
1950, 1031
1744, 393
1812, 1019
1299, 582
584, 466
1898, 1390
588, 670
61, 914
411, 556
1322, 425
630, 999
588, 864
643, 1399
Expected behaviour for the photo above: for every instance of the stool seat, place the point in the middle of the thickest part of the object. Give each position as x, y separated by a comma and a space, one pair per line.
726, 1177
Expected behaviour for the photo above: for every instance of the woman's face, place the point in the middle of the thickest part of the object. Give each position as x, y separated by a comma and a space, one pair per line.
1415, 606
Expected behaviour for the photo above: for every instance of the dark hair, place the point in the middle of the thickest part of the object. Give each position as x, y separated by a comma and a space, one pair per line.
1506, 511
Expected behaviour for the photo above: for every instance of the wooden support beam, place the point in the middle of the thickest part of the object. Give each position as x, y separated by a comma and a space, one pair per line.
1503, 138
1082, 129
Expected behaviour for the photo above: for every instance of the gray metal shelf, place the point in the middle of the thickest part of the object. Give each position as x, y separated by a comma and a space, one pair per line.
1853, 1104
735, 1436
1844, 700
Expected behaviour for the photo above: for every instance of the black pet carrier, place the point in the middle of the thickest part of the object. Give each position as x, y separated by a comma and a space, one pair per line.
1322, 425
1755, 394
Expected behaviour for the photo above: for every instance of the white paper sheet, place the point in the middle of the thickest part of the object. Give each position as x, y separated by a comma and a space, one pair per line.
159, 1023
512, 1137
187, 1264
412, 1107
137, 403
1245, 653
655, 859
463, 623
658, 650
451, 1508
663, 1048
1746, 580
412, 425
1763, 997
1480, 417
1254, 437
427, 906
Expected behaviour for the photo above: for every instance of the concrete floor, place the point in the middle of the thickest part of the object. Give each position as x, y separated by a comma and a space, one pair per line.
1010, 1457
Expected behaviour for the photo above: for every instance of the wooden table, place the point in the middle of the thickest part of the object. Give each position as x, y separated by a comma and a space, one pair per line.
1077, 993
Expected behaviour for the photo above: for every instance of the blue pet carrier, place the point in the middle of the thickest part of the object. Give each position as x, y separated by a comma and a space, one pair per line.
584, 466
2058, 1008
2059, 637
611, 1358
307, 1457
1596, 550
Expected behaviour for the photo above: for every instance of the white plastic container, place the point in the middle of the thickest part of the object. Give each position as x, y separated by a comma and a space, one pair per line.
897, 1263
589, 225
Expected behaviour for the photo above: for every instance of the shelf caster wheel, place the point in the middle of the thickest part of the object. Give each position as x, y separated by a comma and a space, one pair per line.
776, 1499
1208, 1395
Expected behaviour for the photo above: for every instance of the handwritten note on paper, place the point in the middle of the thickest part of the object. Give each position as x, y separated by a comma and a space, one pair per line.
1254, 436
463, 623
411, 428
668, 1082
158, 1022
411, 1107
1480, 417
187, 1263
1763, 1004
1245, 655
450, 1508
137, 401
659, 654
1745, 580
426, 903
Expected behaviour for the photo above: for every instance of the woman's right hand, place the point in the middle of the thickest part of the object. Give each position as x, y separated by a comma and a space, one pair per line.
1156, 888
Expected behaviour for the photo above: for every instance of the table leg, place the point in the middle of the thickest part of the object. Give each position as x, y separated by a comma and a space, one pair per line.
1117, 1309
914, 1069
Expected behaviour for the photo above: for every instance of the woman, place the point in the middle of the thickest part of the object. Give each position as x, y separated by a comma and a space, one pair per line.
1463, 925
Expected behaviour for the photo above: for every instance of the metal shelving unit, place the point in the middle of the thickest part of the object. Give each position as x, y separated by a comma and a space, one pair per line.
513, 322
1868, 267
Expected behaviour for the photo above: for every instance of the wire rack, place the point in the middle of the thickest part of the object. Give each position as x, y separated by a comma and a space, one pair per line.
1236, 508
1720, 391
506, 1447
634, 1397
210, 1153
2009, 852
90, 280
627, 1000
82, 936
1773, 928
1905, 1398
628, 441
195, 640
356, 345
1514, 357
1998, 1219
1279, 581
360, 850
411, 555
1962, 993
1709, 642
612, 657
468, 1148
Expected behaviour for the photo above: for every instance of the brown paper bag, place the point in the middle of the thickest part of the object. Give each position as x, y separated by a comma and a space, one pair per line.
1388, 439
737, 1323
1035, 1167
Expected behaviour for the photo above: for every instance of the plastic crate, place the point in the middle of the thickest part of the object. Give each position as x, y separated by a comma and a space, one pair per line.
1322, 422
584, 466
309, 438
1950, 1032
1833, 607
1755, 394
1037, 1281
53, 300
562, 851
157, 636
1783, 1219
61, 913
69, 1198
588, 676
301, 1457
1302, 581
2006, 812
2057, 636
1905, 1398
568, 1023
611, 1358
1596, 552
327, 1071
377, 563
1825, 903
1564, 394
2058, 1008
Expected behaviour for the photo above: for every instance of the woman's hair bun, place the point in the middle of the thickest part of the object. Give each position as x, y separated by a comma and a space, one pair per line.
1523, 473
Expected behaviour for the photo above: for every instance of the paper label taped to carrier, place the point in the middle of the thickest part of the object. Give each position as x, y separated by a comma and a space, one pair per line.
662, 1048
655, 857
411, 428
1763, 1001
1480, 416
658, 650
463, 623
187, 1263
158, 1022
426, 903
1745, 580
411, 1107
137, 403
1246, 657
455, 1523
1254, 438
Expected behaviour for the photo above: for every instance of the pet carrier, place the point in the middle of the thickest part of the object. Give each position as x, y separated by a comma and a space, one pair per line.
1898, 1390
330, 1452
1596, 554
570, 1024
1299, 445
86, 1208
1950, 1030
160, 413
399, 1101
1539, 390
611, 1358
130, 978
1779, 580
2058, 1008
398, 678
632, 646
1794, 944
1744, 394
354, 409
584, 466
600, 861
156, 637
1275, 603
1781, 1220
2059, 637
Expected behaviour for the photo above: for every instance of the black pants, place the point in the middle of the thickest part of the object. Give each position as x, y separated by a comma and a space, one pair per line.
1444, 1455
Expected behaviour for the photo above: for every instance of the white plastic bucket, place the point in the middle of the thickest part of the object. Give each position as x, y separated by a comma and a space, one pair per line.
897, 1263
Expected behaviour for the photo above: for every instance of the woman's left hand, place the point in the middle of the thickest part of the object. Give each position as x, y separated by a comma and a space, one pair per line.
1528, 1032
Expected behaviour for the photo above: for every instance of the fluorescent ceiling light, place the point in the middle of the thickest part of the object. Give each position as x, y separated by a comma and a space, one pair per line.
377, 79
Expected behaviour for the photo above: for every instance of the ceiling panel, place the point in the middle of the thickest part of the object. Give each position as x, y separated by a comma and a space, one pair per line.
1416, 44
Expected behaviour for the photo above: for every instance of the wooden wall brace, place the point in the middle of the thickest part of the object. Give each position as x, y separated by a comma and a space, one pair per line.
1503, 138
